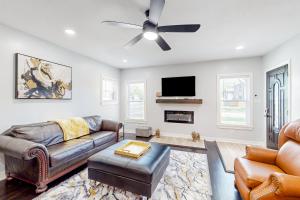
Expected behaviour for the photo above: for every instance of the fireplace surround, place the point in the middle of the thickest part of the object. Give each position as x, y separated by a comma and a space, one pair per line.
177, 116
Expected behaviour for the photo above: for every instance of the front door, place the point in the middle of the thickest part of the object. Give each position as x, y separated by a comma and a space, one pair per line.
277, 103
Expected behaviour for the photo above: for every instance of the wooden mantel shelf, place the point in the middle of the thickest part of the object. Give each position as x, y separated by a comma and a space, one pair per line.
180, 101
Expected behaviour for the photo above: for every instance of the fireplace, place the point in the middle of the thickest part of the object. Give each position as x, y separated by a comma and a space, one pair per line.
175, 116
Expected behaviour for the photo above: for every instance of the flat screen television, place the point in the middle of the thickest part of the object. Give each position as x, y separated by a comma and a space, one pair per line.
179, 86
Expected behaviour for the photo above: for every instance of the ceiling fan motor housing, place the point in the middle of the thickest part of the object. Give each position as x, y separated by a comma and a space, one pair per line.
149, 27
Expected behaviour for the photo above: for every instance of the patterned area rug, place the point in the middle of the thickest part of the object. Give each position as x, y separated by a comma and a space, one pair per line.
186, 178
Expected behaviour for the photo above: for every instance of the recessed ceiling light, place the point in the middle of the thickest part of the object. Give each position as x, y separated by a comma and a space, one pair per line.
239, 47
70, 32
124, 61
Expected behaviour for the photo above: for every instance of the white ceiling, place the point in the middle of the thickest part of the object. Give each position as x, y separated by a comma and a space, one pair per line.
259, 25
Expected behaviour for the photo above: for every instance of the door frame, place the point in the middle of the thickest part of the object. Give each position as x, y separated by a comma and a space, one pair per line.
270, 68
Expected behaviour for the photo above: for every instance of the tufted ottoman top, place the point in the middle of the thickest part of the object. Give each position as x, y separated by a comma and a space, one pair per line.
144, 169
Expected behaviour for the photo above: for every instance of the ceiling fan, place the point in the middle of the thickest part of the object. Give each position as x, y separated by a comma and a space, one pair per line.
150, 28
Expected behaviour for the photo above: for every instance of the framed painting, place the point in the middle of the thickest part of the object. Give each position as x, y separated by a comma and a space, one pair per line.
41, 79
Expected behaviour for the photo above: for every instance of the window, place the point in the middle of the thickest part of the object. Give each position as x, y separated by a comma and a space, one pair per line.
136, 94
109, 91
235, 101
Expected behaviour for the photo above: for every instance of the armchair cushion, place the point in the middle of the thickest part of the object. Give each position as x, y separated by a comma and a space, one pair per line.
288, 158
292, 130
259, 154
254, 173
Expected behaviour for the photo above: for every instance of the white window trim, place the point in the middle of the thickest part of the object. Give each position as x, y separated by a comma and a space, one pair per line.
237, 127
127, 119
116, 101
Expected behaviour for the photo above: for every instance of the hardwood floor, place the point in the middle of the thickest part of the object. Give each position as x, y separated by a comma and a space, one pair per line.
222, 182
230, 151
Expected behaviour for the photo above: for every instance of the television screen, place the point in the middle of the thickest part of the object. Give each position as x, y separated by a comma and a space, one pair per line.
179, 86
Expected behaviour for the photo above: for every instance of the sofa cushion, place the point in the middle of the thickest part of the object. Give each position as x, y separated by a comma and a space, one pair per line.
254, 173
66, 151
101, 137
94, 123
46, 133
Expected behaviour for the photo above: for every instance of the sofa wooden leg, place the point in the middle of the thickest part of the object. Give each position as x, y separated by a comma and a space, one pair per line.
41, 188
8, 176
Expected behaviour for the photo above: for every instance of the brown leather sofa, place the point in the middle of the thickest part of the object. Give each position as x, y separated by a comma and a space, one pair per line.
37, 153
265, 174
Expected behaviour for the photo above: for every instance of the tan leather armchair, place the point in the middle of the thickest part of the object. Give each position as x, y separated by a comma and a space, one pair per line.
265, 174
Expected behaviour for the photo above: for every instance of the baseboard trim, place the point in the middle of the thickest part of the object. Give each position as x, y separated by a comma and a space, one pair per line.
238, 141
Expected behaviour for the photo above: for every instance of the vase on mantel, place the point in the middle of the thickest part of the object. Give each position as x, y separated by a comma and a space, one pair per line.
157, 133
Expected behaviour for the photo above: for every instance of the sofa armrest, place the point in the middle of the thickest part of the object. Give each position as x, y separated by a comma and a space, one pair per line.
27, 150
108, 125
277, 185
20, 148
261, 154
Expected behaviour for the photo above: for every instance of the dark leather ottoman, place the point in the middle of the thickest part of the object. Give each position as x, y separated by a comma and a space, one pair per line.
139, 176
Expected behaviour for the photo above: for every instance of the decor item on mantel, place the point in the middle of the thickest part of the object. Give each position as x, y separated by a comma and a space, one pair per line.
179, 101
195, 136
158, 94
157, 133
143, 131
40, 79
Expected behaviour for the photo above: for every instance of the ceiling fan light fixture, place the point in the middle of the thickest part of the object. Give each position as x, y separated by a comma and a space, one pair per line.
150, 35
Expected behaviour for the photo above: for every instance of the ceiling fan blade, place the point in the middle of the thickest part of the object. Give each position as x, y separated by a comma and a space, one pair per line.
162, 43
122, 24
180, 28
156, 7
133, 41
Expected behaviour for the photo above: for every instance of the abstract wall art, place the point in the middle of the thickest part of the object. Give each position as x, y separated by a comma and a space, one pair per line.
40, 79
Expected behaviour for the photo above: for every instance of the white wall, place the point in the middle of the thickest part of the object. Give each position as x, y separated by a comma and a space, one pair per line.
205, 114
86, 82
289, 51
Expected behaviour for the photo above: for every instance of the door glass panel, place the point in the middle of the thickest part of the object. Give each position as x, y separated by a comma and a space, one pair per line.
276, 105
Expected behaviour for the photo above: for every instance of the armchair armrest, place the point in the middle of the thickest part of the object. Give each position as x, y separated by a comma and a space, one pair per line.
261, 154
20, 148
278, 185
108, 125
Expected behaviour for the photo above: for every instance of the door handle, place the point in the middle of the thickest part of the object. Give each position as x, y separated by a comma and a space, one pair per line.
267, 114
